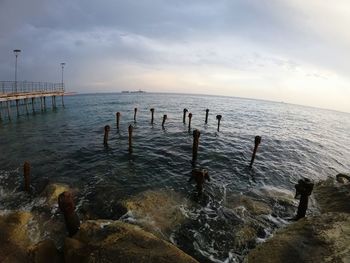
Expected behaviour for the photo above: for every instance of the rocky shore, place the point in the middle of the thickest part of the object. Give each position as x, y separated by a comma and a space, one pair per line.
143, 232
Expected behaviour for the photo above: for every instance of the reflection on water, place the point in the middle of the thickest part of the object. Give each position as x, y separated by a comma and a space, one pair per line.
67, 146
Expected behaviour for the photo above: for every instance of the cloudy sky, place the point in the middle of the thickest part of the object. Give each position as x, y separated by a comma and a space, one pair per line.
294, 51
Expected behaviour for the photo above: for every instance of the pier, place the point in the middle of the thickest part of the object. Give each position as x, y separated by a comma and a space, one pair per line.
24, 94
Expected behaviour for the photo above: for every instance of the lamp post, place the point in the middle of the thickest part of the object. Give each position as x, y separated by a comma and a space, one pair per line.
62, 66
16, 52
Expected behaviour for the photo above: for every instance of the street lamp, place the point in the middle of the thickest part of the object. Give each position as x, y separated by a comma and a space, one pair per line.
62, 66
16, 52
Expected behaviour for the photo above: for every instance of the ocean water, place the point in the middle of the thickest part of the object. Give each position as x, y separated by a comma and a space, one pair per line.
66, 145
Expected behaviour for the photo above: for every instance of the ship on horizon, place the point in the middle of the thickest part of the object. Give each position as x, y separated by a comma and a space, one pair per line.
137, 91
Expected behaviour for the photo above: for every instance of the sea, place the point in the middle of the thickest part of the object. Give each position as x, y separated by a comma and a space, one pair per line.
65, 145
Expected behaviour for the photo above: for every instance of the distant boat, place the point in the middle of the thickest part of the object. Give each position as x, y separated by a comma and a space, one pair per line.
138, 91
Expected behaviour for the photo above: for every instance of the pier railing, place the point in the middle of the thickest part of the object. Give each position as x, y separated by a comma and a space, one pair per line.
13, 88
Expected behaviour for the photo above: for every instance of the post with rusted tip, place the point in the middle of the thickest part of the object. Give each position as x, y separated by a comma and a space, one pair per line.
130, 138
303, 190
118, 119
218, 117
189, 121
67, 207
206, 116
184, 116
152, 115
135, 111
257, 141
105, 137
164, 119
26, 175
196, 134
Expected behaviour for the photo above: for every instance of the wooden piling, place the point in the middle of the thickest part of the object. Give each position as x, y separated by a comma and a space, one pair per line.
218, 117
206, 116
130, 129
67, 207
44, 102
196, 134
26, 103
26, 175
62, 102
118, 119
184, 115
135, 111
189, 121
152, 115
33, 109
105, 137
164, 119
8, 110
257, 141
41, 104
17, 101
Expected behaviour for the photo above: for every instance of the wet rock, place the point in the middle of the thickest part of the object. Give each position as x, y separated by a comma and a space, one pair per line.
115, 241
253, 206
14, 239
156, 211
332, 196
245, 237
324, 238
45, 251
52, 191
343, 178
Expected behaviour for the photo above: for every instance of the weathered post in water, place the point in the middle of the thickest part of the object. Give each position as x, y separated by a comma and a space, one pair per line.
17, 101
67, 207
135, 111
303, 189
164, 119
105, 137
152, 115
184, 116
189, 121
257, 141
26, 175
206, 116
130, 129
218, 117
200, 176
196, 134
118, 119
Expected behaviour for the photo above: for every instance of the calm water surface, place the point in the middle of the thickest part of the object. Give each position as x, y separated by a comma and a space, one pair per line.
66, 145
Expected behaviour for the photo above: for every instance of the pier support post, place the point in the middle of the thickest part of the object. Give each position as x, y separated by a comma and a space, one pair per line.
118, 119
41, 104
26, 175
44, 103
152, 115
206, 116
62, 102
164, 119
33, 109
17, 101
303, 189
105, 137
189, 121
196, 134
130, 129
66, 205
184, 116
218, 117
257, 141
200, 176
135, 111
0, 110
8, 110
26, 103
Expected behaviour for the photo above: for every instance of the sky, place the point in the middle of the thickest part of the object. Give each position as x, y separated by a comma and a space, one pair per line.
294, 51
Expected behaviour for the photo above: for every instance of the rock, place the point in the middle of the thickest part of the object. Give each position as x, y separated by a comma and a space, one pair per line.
253, 206
52, 191
343, 178
324, 238
332, 197
45, 251
14, 236
156, 211
115, 241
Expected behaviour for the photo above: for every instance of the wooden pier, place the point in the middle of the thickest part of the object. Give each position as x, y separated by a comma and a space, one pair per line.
24, 94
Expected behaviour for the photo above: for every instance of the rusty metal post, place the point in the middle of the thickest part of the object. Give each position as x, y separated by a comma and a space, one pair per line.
206, 116
184, 116
105, 137
218, 117
189, 121
257, 141
118, 119
130, 129
196, 134
135, 111
164, 119
200, 176
303, 190
26, 175
152, 115
66, 205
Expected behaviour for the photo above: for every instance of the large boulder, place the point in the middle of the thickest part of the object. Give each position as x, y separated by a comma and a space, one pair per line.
45, 251
115, 241
324, 238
